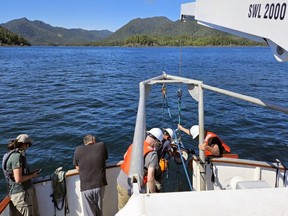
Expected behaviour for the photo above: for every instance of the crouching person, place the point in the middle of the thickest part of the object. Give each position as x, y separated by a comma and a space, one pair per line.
153, 139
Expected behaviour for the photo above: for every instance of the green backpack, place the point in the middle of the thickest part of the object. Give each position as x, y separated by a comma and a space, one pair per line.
59, 198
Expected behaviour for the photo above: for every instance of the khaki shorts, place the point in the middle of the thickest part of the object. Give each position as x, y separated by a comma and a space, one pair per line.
24, 203
123, 196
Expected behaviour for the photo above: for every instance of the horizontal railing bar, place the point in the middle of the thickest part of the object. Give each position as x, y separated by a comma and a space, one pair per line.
245, 98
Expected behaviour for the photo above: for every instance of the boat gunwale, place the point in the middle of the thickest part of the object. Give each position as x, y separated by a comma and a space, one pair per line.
245, 162
73, 172
4, 203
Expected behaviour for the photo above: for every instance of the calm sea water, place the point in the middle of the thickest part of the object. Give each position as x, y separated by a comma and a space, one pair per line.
58, 94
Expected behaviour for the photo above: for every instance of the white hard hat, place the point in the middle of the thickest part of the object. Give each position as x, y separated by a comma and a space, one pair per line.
24, 138
169, 131
157, 133
194, 131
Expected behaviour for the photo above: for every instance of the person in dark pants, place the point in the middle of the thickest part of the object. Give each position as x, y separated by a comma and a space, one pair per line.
90, 161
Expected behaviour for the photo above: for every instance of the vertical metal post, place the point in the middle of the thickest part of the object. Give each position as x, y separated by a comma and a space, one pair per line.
136, 165
201, 136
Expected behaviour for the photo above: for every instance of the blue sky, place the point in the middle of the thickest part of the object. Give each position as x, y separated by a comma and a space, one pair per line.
88, 14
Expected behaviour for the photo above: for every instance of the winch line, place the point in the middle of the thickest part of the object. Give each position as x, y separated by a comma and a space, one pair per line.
165, 102
182, 160
179, 92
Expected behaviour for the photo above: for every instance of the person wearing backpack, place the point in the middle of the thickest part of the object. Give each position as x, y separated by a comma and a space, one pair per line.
90, 161
19, 178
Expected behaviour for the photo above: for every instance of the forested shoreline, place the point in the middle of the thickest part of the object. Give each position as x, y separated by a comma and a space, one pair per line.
8, 38
151, 41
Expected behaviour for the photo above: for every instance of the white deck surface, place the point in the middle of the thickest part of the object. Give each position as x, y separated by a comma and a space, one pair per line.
244, 202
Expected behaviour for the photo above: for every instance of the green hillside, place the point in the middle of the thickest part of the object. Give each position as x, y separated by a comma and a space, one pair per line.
160, 31
9, 38
40, 33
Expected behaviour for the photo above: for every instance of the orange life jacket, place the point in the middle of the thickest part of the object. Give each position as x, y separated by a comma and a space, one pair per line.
125, 166
210, 135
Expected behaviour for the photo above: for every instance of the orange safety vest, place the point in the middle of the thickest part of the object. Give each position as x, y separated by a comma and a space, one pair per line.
210, 135
125, 166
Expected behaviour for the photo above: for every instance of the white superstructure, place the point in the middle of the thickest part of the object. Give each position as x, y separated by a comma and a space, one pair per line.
263, 20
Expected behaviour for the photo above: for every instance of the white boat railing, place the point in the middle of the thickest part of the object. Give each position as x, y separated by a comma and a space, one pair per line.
195, 88
44, 190
225, 173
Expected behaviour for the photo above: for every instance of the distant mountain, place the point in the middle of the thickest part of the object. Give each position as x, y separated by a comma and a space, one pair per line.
8, 38
155, 31
40, 33
162, 26
160, 31
147, 26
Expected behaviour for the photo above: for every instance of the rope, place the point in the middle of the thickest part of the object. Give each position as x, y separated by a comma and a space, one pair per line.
180, 51
166, 105
182, 160
165, 102
179, 93
178, 136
